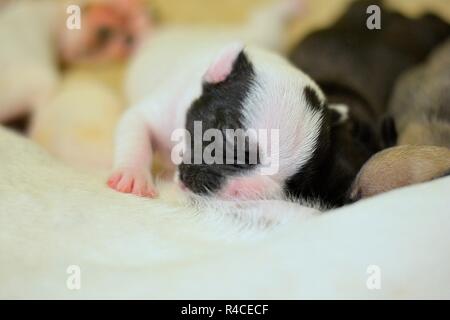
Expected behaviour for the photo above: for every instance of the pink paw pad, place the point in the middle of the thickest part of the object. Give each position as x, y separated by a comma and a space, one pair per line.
135, 182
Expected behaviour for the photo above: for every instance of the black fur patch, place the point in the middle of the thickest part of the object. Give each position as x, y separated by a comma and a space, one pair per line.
220, 107
312, 99
328, 175
307, 183
388, 132
337, 157
19, 124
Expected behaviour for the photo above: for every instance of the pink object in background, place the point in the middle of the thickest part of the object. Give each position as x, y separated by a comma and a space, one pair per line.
110, 30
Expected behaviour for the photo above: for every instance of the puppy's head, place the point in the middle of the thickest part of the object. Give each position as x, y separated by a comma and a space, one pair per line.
271, 118
398, 167
110, 30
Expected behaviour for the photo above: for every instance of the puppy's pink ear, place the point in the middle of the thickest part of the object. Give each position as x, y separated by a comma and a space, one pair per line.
222, 66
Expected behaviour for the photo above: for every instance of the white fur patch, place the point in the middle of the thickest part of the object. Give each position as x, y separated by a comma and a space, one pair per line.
278, 103
341, 109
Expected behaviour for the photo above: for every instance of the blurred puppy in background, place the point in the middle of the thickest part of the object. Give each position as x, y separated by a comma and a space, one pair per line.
111, 31
420, 107
35, 39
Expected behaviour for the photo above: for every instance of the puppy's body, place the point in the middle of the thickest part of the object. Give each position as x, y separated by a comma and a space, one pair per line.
400, 166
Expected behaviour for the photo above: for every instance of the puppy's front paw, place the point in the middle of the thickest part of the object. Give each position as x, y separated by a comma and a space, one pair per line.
135, 181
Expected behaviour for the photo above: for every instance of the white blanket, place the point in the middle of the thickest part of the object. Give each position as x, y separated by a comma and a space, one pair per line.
53, 217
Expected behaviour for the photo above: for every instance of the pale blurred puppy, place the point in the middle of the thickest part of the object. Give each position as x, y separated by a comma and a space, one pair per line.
400, 166
35, 39
111, 30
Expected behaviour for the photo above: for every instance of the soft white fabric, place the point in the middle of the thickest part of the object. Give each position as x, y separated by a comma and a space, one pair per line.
52, 217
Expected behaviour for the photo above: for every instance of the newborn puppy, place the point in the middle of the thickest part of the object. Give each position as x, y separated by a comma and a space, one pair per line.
196, 78
420, 104
252, 90
243, 88
398, 167
111, 30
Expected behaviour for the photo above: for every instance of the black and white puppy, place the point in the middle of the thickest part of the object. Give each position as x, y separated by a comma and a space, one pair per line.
263, 91
230, 87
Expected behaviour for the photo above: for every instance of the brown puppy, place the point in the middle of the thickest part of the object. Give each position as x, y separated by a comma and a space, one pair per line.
398, 167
